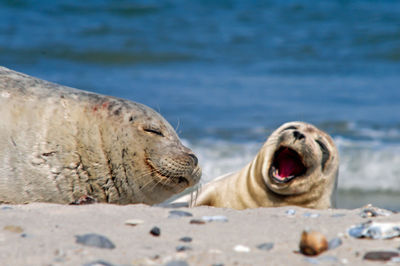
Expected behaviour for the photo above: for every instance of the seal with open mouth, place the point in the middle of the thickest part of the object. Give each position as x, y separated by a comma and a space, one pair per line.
58, 144
298, 165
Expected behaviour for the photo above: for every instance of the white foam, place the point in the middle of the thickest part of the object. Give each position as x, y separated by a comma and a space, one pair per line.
220, 157
369, 165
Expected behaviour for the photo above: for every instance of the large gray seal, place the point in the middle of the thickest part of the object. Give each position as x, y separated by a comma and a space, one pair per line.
58, 144
297, 165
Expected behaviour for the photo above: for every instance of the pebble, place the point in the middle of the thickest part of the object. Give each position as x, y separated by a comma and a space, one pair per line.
177, 263
370, 211
290, 212
134, 222
186, 239
94, 240
328, 259
266, 246
338, 215
215, 251
315, 261
179, 214
312, 260
197, 221
313, 243
6, 208
215, 218
13, 228
311, 215
375, 230
241, 248
98, 263
334, 243
395, 259
183, 248
380, 255
155, 231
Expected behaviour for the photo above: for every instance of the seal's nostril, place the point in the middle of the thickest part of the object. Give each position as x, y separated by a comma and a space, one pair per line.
297, 135
195, 160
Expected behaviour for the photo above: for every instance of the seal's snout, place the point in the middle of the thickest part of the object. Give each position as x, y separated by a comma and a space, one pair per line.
298, 136
194, 159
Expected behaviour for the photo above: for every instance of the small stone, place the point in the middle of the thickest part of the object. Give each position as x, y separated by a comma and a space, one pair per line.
290, 212
334, 243
217, 264
338, 215
179, 214
395, 259
215, 218
13, 228
133, 222
311, 215
155, 231
197, 221
312, 261
98, 263
369, 211
59, 253
183, 248
329, 259
176, 263
380, 255
214, 251
313, 243
6, 208
94, 240
186, 239
241, 248
24, 235
266, 246
316, 261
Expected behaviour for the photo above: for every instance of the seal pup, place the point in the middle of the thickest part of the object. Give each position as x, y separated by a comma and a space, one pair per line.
58, 144
297, 165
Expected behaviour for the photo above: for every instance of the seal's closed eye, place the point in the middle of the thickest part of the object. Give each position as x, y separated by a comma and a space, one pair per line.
154, 131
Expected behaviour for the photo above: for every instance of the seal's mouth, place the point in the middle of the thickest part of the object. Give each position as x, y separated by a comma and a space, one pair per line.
166, 177
287, 164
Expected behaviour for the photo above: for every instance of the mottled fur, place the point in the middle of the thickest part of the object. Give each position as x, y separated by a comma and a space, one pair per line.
58, 144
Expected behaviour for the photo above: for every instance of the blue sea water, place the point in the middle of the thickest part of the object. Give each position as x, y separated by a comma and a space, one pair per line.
226, 73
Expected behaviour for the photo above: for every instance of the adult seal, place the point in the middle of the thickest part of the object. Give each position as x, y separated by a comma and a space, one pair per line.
58, 144
297, 165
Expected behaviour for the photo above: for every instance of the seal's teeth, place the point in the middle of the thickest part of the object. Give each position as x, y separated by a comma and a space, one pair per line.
275, 171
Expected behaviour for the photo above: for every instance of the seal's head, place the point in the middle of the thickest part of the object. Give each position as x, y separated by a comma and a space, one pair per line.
168, 167
298, 158
155, 164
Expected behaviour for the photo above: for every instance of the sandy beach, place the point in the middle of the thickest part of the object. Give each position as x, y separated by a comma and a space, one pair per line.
100, 234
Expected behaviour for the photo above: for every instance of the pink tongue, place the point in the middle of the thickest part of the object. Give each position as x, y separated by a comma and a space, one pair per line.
289, 164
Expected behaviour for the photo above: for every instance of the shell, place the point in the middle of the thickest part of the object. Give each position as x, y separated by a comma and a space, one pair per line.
375, 230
